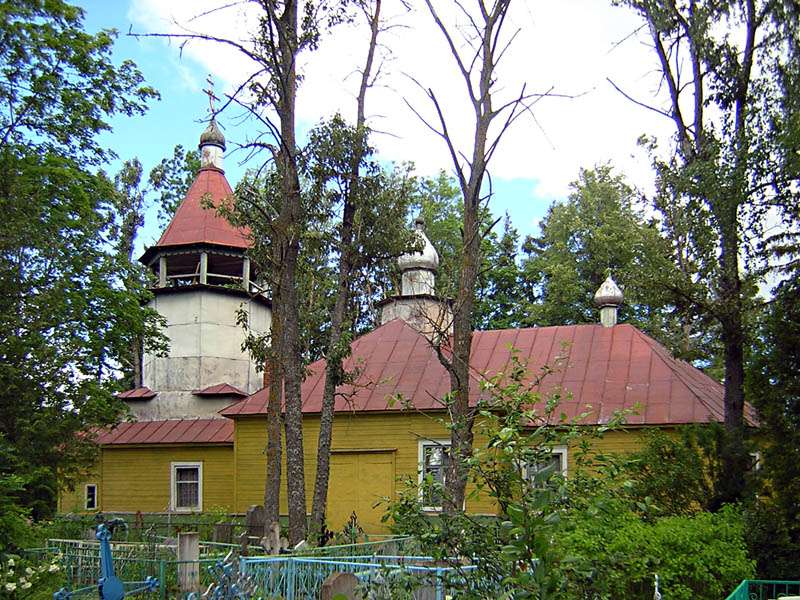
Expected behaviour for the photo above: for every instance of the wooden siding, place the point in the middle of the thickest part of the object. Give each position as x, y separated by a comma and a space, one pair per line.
397, 435
137, 478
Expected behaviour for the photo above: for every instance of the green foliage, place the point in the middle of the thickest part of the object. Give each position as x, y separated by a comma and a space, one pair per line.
59, 84
33, 580
65, 318
514, 554
676, 472
615, 555
774, 386
381, 201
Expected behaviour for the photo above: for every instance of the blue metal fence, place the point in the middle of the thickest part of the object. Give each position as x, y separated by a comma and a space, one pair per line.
297, 578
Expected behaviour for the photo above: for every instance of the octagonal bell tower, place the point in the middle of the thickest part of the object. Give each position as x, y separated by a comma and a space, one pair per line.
203, 279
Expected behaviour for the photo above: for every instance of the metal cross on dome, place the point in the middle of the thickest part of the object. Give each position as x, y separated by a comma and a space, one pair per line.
209, 91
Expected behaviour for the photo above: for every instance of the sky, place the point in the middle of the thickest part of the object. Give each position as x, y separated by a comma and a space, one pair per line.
570, 47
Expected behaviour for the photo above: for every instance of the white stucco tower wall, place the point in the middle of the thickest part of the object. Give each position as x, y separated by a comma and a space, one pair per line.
205, 349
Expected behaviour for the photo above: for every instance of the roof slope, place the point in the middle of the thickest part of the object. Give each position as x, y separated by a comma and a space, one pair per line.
193, 224
606, 369
175, 431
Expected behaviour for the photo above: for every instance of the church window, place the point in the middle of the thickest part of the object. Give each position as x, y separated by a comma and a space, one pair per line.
433, 455
556, 461
187, 486
90, 496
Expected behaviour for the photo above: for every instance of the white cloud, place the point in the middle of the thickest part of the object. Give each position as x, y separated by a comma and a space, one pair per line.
568, 46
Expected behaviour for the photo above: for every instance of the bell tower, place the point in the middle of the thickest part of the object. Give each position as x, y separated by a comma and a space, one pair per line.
203, 279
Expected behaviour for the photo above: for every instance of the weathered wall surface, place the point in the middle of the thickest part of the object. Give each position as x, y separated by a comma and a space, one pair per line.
134, 478
426, 314
205, 350
381, 442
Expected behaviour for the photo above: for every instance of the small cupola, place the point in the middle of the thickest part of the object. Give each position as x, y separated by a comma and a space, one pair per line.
418, 269
212, 147
417, 303
608, 298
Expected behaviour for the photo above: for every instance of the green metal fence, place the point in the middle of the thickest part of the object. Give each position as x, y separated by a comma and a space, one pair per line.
765, 589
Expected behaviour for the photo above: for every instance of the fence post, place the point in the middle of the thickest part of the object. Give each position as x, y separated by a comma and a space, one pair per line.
290, 579
439, 585
162, 579
188, 561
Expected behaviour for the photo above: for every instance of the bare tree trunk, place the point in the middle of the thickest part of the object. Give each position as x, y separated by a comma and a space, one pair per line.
272, 488
477, 66
289, 230
335, 354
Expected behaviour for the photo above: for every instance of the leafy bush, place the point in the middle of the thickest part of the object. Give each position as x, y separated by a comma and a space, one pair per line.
615, 554
20, 578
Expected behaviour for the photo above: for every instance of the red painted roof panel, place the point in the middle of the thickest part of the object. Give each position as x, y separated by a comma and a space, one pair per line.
174, 431
194, 224
220, 389
607, 369
140, 393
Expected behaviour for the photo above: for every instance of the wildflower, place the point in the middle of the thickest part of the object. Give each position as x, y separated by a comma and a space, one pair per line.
10, 587
26, 585
53, 568
29, 571
22, 580
10, 562
10, 573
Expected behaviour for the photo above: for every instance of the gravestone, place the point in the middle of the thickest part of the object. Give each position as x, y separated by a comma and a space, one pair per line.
255, 521
222, 533
340, 586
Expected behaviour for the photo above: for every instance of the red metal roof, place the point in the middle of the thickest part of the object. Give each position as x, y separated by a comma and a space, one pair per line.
602, 369
221, 389
194, 224
140, 393
177, 431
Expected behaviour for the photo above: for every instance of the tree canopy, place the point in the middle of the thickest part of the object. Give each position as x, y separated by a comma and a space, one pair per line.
65, 317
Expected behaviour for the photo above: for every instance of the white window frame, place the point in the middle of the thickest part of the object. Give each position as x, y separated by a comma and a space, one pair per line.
86, 497
421, 444
563, 452
173, 486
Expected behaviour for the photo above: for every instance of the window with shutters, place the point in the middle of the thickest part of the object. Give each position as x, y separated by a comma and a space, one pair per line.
187, 486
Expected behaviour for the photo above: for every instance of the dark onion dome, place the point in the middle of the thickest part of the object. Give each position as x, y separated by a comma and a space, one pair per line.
212, 135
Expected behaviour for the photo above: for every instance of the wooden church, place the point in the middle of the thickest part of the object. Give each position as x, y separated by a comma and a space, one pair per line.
199, 435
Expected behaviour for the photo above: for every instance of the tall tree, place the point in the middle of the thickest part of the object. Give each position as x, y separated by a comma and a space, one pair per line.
66, 319
774, 387
351, 195
476, 46
599, 229
719, 61
269, 95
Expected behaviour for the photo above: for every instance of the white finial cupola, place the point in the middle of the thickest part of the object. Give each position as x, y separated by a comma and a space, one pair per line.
418, 268
212, 147
609, 298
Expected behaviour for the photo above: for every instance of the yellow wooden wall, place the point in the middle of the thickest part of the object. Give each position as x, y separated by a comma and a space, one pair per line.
397, 434
137, 478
